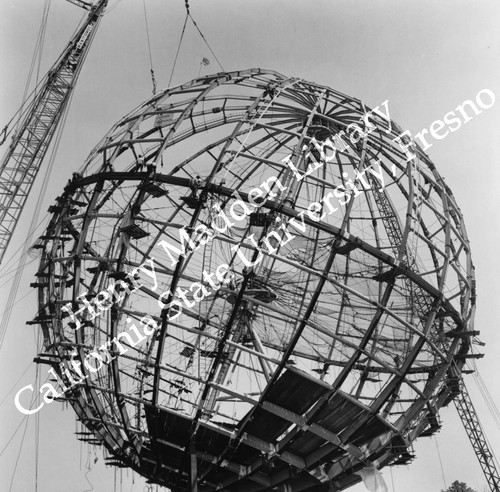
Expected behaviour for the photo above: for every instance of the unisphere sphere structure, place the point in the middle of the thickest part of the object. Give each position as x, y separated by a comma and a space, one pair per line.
249, 286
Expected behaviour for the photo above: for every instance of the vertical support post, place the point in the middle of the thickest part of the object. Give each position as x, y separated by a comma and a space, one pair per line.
194, 466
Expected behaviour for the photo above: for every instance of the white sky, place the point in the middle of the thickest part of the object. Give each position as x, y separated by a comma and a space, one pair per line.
424, 57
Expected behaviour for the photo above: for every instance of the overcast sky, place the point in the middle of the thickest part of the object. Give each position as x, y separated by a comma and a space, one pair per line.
425, 57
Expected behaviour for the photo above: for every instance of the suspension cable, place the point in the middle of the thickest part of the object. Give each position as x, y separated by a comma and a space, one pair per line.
26, 246
153, 79
37, 416
488, 399
18, 455
35, 62
37, 54
202, 36
440, 461
188, 15
178, 48
4, 399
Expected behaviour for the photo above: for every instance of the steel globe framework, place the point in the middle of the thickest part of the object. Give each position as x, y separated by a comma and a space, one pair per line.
333, 332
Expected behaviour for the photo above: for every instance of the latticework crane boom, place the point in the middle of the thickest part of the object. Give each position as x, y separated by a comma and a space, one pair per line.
22, 161
462, 400
476, 435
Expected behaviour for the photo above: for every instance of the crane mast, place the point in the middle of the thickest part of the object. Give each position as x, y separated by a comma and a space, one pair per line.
34, 133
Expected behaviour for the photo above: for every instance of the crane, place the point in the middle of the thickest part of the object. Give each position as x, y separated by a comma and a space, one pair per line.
470, 421
460, 394
35, 131
23, 159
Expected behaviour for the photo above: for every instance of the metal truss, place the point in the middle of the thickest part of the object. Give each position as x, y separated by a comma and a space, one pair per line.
298, 369
34, 133
477, 437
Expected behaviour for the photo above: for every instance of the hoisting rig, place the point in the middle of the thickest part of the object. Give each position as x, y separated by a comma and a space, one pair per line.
35, 131
31, 140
